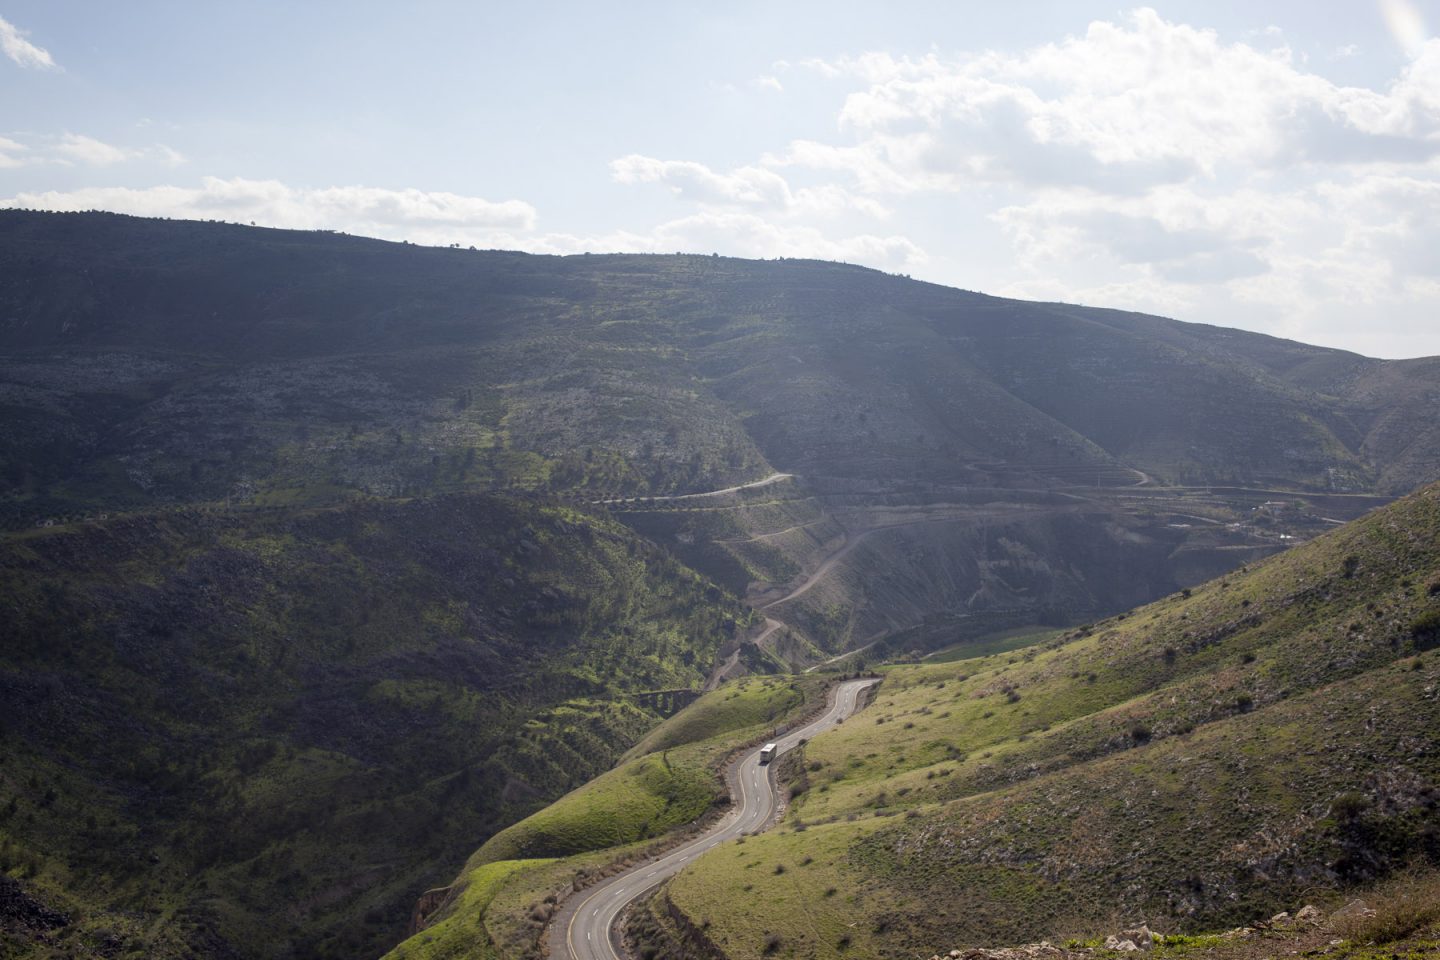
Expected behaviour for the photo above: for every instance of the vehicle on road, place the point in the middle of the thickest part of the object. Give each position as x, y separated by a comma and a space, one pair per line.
767, 753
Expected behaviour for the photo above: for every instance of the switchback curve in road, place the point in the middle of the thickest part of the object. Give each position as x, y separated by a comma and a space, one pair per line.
584, 929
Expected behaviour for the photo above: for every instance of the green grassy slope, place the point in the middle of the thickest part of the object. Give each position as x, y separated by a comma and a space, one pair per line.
268, 732
667, 781
1201, 761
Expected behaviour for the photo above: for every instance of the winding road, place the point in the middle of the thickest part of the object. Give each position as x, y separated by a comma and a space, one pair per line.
773, 478
584, 929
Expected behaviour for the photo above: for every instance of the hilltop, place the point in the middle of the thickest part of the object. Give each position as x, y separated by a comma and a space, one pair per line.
293, 360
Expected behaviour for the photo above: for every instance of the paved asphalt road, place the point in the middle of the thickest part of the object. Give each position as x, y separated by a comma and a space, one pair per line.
584, 928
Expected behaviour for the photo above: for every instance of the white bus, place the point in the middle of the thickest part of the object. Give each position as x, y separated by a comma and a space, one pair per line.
767, 753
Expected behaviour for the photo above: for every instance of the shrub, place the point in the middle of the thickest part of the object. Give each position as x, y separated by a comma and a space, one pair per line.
1410, 904
1348, 806
1425, 630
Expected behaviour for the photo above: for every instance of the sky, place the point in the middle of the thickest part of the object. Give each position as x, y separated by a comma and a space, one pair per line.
1273, 166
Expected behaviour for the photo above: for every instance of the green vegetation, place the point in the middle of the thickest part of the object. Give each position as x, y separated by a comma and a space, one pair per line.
1201, 762
635, 801
1000, 642
307, 591
462, 934
672, 781
929, 422
260, 729
737, 708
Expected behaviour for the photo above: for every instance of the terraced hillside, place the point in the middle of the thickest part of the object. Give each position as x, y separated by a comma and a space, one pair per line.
263, 735
1200, 762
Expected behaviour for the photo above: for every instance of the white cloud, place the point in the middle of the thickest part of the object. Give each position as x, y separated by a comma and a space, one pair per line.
1123, 107
752, 187
22, 51
169, 156
444, 218
768, 82
1153, 165
746, 185
1303, 262
12, 153
77, 148
396, 214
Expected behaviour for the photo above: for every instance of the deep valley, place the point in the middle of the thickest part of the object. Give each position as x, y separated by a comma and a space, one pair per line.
334, 568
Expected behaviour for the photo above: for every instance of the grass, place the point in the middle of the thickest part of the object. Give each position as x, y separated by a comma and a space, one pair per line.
1402, 908
750, 703
668, 780
992, 643
635, 801
1201, 761
462, 934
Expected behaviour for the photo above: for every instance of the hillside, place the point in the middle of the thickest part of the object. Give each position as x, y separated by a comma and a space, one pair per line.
264, 734
147, 362
1201, 762
666, 785
298, 362
327, 561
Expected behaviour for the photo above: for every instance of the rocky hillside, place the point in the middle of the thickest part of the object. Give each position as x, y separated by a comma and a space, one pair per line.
1200, 762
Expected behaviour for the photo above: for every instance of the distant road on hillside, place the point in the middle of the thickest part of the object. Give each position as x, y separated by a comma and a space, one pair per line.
773, 478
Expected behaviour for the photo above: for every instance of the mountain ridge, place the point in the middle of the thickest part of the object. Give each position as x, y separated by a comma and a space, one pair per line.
207, 432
